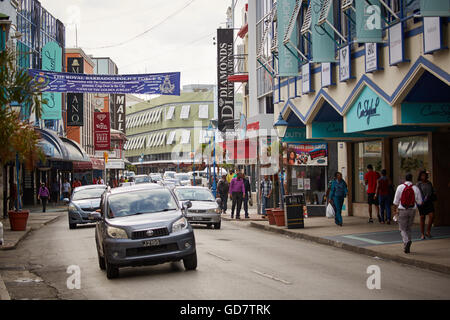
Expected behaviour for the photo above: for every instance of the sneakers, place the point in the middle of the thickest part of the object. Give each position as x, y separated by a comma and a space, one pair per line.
408, 247
370, 220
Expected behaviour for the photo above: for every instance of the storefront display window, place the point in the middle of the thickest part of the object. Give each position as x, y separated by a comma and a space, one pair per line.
368, 152
410, 155
311, 181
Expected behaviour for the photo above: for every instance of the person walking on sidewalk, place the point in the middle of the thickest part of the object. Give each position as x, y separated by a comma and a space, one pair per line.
247, 195
55, 192
338, 192
66, 189
370, 178
384, 197
407, 197
223, 187
43, 195
230, 175
427, 207
266, 193
237, 191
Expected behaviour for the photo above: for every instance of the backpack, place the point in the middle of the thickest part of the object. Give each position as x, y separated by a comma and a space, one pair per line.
408, 198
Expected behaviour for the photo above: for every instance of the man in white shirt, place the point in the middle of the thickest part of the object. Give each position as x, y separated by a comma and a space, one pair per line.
406, 215
66, 189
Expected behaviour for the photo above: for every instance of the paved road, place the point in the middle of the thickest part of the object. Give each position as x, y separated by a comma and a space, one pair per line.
235, 262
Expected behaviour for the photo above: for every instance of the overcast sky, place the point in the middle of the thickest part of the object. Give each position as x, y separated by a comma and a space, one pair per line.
181, 40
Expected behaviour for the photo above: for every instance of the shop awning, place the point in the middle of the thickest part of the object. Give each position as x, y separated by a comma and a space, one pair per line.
97, 164
79, 166
238, 78
52, 145
75, 151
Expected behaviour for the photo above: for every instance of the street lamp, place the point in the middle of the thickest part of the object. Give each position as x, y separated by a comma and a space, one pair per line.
281, 126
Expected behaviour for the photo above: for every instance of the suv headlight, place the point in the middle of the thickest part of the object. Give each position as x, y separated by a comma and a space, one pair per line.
211, 211
72, 207
116, 233
179, 225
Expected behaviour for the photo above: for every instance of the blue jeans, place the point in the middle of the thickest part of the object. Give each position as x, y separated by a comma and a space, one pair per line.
338, 202
385, 204
265, 204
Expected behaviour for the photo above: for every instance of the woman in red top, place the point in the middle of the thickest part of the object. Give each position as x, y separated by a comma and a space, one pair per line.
371, 177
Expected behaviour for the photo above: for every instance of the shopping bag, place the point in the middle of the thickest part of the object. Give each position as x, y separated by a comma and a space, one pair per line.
330, 211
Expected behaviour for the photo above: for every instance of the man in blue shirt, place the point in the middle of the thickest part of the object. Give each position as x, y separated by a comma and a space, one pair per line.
338, 193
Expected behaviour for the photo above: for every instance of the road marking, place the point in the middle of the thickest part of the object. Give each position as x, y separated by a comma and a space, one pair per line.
271, 277
220, 257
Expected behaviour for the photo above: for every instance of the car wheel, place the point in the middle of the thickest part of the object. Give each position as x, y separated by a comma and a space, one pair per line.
101, 261
190, 262
72, 225
112, 271
217, 225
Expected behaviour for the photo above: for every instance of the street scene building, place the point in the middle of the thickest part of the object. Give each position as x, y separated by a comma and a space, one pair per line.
215, 137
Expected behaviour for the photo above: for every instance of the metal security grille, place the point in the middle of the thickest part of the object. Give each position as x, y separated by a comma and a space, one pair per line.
142, 234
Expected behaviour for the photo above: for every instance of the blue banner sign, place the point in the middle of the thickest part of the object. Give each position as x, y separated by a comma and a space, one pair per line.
52, 61
156, 83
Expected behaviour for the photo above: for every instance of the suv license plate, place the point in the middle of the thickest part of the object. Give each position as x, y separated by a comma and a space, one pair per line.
150, 243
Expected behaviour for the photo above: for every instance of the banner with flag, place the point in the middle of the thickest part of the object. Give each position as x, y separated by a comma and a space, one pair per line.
323, 45
102, 128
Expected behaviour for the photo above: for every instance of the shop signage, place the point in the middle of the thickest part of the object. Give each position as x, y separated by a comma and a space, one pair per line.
75, 104
323, 46
306, 78
432, 34
326, 74
115, 164
287, 62
368, 21
225, 68
306, 154
368, 112
51, 61
344, 63
423, 113
295, 134
396, 50
119, 112
102, 136
371, 55
157, 83
434, 8
332, 129
75, 65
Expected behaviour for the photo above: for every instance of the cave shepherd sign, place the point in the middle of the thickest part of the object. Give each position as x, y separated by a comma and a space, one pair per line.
225, 68
102, 137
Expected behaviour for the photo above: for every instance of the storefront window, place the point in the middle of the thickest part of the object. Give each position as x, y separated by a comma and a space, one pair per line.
365, 153
410, 155
311, 181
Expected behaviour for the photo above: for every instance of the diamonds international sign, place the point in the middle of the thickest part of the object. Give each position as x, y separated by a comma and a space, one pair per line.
155, 83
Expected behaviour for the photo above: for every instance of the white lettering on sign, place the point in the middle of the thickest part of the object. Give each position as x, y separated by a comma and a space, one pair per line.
373, 21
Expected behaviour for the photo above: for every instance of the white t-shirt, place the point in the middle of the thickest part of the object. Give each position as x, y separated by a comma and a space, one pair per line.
398, 195
66, 187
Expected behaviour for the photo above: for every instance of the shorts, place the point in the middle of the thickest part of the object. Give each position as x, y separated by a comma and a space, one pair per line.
426, 208
372, 199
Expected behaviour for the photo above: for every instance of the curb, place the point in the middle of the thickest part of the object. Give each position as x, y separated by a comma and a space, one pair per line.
4, 295
360, 250
27, 231
242, 219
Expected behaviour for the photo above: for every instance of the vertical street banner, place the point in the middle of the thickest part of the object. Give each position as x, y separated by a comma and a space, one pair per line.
225, 68
102, 134
119, 112
287, 62
368, 21
322, 44
75, 101
51, 61
75, 109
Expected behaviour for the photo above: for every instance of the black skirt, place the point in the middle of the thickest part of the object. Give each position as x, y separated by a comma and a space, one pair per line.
426, 208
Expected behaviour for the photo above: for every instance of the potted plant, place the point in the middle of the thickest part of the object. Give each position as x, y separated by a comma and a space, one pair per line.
278, 215
18, 89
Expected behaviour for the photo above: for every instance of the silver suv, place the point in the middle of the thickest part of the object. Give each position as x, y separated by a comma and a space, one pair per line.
141, 225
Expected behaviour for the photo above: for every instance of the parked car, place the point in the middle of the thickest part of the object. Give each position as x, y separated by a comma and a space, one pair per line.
142, 225
141, 178
183, 178
169, 175
171, 183
205, 208
83, 201
126, 184
155, 177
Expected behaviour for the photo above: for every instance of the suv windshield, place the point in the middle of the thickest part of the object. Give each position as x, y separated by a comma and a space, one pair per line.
141, 201
194, 194
182, 177
88, 194
144, 179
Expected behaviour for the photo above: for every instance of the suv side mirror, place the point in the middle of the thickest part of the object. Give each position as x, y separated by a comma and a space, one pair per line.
96, 216
187, 204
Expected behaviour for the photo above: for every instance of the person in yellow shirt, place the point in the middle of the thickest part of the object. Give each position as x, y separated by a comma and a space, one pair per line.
230, 175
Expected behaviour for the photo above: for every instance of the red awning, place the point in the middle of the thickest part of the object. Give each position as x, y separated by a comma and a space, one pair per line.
243, 31
79, 166
238, 78
97, 164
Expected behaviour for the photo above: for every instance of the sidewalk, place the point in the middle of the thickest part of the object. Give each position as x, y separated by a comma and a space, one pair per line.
252, 213
36, 220
374, 239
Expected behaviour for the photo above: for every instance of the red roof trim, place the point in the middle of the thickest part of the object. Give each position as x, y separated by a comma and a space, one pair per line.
238, 78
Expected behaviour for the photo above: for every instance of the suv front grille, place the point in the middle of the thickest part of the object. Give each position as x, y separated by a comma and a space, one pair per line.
143, 251
142, 234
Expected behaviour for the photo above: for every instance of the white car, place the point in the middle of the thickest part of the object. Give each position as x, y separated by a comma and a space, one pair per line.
169, 175
184, 178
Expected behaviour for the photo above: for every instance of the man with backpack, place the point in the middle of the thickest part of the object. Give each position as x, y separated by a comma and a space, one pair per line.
406, 199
